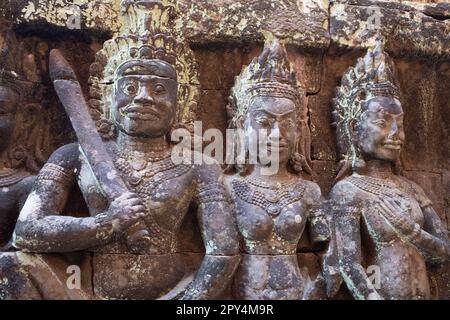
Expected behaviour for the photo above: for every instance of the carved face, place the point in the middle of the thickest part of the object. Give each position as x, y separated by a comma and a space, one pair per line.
145, 98
380, 133
8, 108
277, 116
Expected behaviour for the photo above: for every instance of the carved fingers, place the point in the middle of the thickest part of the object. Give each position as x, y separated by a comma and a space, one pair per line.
124, 211
395, 214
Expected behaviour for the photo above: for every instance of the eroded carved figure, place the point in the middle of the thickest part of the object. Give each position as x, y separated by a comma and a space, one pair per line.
381, 218
22, 131
273, 210
143, 85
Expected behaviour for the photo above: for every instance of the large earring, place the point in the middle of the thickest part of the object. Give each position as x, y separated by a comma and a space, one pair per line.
299, 163
243, 167
398, 168
359, 164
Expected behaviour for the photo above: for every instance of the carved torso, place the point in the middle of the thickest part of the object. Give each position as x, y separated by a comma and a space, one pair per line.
367, 189
271, 219
402, 266
165, 188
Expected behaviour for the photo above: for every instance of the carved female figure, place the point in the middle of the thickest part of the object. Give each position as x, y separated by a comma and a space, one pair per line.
22, 134
272, 211
142, 86
381, 218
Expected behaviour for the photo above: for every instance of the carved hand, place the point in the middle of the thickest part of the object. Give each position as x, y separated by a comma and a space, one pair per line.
395, 214
123, 212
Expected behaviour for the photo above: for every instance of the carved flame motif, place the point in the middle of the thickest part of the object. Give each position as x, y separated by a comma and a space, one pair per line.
270, 74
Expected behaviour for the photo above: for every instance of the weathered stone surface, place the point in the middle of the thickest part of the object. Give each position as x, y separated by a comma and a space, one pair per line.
220, 64
324, 174
425, 88
309, 66
301, 22
446, 187
323, 146
96, 15
432, 184
409, 28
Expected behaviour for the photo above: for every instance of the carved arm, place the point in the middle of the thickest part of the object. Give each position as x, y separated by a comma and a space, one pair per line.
41, 228
434, 246
220, 236
348, 243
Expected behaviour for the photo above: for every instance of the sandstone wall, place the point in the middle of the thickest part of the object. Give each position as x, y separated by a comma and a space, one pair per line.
325, 38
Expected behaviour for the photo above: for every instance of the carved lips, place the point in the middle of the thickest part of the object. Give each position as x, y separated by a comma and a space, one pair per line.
393, 144
142, 112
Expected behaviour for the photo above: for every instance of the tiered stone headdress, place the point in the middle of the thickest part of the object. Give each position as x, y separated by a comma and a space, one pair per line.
271, 74
148, 33
373, 76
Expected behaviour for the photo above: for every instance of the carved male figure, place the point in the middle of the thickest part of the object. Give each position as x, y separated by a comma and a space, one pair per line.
272, 210
381, 218
141, 87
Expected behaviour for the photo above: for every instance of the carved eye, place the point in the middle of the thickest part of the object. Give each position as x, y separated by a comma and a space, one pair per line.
130, 88
381, 123
264, 122
288, 122
159, 89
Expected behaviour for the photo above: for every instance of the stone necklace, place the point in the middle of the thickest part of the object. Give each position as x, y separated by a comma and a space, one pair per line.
273, 199
381, 188
138, 166
375, 186
156, 168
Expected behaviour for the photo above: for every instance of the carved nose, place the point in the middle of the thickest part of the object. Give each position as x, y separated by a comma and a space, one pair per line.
143, 97
393, 133
274, 134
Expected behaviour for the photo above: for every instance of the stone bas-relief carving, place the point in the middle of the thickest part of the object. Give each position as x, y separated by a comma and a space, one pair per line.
380, 218
222, 44
272, 211
141, 86
22, 132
